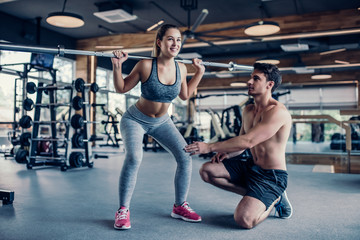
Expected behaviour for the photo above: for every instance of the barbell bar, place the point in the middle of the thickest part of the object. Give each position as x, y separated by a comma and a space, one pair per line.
79, 86
26, 121
32, 88
62, 51
77, 121
28, 104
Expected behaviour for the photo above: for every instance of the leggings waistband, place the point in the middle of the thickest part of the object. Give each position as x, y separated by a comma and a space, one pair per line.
136, 113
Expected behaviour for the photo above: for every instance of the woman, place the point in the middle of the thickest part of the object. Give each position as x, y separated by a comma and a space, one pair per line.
162, 79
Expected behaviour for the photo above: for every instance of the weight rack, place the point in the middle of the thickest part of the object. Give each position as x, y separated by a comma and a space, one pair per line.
54, 158
82, 154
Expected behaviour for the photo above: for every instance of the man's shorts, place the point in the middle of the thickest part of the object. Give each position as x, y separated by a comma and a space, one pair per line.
264, 184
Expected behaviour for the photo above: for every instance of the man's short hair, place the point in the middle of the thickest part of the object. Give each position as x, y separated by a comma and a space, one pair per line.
271, 72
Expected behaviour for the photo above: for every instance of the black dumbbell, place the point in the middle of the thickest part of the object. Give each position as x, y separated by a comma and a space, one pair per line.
78, 103
77, 121
76, 159
80, 85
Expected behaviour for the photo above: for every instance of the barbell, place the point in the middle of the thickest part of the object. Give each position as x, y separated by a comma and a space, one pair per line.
62, 51
32, 88
77, 121
80, 85
26, 121
28, 104
77, 103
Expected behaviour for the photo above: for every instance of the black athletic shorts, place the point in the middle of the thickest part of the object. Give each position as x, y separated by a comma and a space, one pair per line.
264, 184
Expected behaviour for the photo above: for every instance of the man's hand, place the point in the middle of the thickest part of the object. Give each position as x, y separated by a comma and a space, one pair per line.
197, 148
219, 157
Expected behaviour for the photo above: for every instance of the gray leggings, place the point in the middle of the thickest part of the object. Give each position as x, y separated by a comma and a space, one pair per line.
133, 126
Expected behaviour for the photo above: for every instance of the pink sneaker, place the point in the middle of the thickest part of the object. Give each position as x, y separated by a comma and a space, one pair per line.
185, 212
122, 218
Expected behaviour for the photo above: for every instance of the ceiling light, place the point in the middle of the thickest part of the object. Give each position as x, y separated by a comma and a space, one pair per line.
4, 1
262, 28
268, 61
155, 25
65, 19
341, 62
333, 51
321, 76
238, 84
109, 47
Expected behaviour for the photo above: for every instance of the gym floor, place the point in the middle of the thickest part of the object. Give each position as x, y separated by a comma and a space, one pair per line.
81, 203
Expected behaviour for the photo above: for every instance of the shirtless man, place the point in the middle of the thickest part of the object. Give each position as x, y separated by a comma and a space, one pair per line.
262, 180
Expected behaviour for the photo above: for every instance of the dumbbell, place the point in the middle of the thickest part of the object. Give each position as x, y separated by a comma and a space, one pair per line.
80, 85
25, 139
77, 121
77, 140
32, 88
77, 103
76, 159
26, 121
28, 104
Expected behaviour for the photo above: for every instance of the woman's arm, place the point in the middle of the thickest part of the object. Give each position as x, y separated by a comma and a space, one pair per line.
188, 88
123, 85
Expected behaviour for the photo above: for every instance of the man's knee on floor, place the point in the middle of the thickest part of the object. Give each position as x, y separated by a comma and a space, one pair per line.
204, 173
245, 221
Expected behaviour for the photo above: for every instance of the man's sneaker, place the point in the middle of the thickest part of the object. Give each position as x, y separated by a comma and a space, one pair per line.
185, 212
283, 207
122, 218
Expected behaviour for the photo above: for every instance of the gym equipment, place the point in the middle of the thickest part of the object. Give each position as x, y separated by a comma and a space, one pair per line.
112, 120
26, 121
78, 103
78, 140
62, 51
31, 88
77, 121
231, 120
338, 140
28, 104
43, 151
21, 156
80, 86
147, 139
25, 139
6, 196
76, 159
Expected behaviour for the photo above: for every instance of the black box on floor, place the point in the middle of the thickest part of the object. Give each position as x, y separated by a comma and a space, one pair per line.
6, 196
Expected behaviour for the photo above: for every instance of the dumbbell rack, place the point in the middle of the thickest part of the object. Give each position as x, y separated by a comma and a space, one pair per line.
55, 159
83, 158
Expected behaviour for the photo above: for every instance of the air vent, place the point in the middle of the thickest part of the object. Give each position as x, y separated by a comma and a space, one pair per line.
115, 16
295, 47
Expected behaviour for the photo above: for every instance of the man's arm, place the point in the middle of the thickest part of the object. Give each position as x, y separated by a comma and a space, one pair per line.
272, 121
